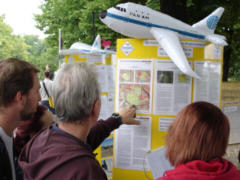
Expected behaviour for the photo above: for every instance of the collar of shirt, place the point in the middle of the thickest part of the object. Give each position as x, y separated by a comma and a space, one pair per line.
56, 128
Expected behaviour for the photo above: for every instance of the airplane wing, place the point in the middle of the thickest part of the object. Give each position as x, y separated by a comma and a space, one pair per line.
71, 52
109, 51
169, 41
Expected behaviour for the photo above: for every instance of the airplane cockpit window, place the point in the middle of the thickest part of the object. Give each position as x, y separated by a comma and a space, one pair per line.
116, 7
120, 9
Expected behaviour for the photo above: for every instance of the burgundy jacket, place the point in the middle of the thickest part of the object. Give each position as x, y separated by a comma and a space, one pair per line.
55, 154
219, 169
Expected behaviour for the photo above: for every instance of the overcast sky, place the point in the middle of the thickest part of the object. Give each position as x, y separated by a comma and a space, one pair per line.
19, 15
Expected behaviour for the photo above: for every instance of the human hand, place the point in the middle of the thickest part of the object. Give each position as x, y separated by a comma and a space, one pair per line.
128, 114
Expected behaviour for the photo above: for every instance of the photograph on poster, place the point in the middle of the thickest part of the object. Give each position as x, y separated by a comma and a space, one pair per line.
126, 75
137, 94
107, 166
143, 76
182, 78
135, 84
165, 77
107, 147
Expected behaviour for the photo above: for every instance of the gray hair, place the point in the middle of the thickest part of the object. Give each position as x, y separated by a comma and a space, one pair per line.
75, 90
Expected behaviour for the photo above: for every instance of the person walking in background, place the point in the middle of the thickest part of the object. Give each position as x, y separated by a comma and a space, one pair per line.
65, 149
196, 142
19, 98
46, 91
27, 129
51, 74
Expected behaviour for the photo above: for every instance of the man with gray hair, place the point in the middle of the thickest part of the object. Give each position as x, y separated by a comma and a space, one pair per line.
65, 150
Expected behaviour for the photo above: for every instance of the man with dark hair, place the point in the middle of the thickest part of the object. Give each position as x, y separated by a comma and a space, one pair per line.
19, 97
46, 91
51, 74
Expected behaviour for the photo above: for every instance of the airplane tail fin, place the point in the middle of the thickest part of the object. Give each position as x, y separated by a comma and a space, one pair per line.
209, 23
97, 43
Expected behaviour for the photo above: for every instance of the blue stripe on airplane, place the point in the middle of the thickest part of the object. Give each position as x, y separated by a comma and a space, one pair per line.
142, 23
89, 51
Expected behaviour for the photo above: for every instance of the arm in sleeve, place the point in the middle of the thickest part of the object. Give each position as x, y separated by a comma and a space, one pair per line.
102, 130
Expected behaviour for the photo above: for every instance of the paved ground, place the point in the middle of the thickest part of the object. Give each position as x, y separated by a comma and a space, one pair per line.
233, 113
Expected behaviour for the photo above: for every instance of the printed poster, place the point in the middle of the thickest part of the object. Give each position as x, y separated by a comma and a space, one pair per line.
135, 84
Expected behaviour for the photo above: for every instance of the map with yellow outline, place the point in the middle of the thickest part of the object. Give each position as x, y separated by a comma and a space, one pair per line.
137, 94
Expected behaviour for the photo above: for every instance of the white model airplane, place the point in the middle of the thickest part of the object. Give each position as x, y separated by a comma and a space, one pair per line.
82, 48
139, 21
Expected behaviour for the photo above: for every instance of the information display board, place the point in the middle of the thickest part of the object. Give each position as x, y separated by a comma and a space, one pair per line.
146, 77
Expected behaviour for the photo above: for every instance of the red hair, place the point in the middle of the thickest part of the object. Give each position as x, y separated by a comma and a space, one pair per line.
199, 132
27, 129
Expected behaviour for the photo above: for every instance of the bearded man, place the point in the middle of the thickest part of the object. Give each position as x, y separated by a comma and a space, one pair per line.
19, 98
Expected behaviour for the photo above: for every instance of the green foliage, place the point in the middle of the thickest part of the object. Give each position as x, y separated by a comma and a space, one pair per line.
10, 44
154, 4
28, 47
60, 14
40, 53
74, 18
229, 26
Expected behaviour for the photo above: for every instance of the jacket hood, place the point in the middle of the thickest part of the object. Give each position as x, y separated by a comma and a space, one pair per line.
46, 151
218, 169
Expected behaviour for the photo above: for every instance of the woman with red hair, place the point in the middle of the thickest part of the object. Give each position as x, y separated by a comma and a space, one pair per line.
196, 143
27, 129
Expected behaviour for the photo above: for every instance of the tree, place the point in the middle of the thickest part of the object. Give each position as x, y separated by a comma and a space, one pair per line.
175, 8
11, 45
191, 11
40, 54
229, 26
75, 19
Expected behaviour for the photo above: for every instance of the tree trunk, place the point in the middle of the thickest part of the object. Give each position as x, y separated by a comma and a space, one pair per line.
227, 54
175, 8
227, 57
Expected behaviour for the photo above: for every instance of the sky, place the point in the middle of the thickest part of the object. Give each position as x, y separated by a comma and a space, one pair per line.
19, 14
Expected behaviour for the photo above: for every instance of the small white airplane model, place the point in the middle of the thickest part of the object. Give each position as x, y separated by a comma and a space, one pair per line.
139, 21
82, 48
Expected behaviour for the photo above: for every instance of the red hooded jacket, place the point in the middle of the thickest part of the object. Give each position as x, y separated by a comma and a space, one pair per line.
219, 169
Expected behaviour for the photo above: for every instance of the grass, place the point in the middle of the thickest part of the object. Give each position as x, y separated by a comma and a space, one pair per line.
231, 93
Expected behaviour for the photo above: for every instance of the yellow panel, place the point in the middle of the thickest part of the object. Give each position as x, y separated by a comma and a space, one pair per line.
202, 51
124, 174
141, 51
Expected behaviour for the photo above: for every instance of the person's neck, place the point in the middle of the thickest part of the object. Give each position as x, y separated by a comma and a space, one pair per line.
9, 121
80, 130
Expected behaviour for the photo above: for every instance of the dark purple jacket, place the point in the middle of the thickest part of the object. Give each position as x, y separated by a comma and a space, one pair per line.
55, 154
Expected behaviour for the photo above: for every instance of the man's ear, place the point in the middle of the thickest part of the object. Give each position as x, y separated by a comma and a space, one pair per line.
20, 99
96, 108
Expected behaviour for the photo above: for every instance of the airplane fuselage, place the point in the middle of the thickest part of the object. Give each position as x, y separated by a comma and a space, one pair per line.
135, 21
